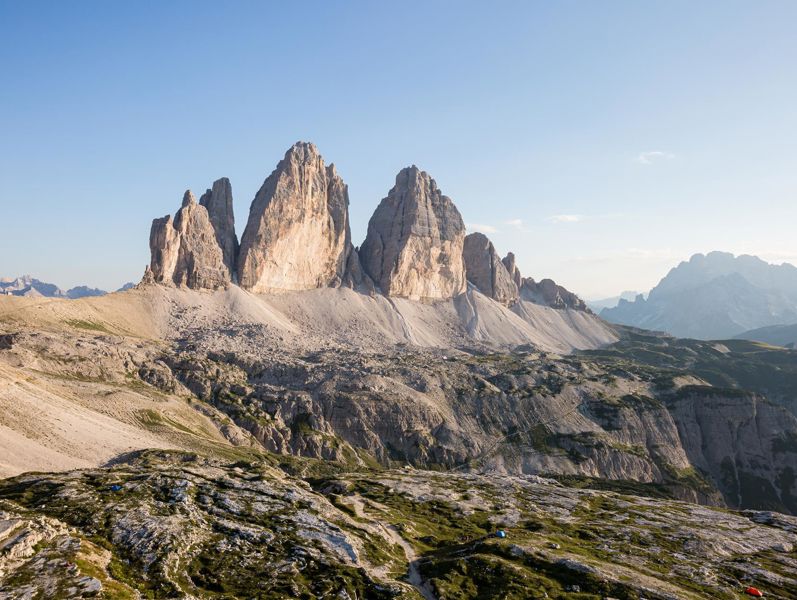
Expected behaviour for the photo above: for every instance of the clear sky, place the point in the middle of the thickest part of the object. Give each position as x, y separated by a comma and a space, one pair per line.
602, 142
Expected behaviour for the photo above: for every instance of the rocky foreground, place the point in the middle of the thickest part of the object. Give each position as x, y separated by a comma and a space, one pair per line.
173, 525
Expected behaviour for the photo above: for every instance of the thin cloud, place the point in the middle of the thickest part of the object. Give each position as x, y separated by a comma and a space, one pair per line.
565, 218
481, 227
514, 223
648, 158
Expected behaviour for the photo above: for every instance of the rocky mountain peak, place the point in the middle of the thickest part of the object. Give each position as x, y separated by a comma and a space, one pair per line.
188, 198
185, 250
218, 202
511, 266
297, 236
415, 238
547, 292
486, 271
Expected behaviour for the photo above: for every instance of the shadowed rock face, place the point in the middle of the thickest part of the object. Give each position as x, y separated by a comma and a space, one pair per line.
185, 251
547, 292
218, 203
415, 238
298, 235
511, 266
485, 270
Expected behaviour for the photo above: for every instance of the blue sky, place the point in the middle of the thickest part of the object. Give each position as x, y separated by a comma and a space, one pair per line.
602, 142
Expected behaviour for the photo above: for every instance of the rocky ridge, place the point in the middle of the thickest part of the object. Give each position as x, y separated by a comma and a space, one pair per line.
548, 293
298, 238
29, 286
714, 296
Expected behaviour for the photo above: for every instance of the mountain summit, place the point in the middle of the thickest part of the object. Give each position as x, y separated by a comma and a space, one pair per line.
298, 238
715, 296
414, 244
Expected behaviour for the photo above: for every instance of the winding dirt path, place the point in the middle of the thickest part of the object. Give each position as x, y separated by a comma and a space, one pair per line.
391, 534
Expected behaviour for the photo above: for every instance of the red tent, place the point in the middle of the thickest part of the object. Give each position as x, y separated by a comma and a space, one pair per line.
754, 592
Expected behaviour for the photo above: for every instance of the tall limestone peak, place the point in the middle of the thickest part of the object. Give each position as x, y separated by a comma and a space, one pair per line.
185, 251
297, 236
188, 198
218, 202
413, 248
486, 271
511, 266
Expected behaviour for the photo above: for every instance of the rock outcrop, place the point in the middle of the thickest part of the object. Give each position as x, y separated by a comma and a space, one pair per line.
486, 271
415, 238
514, 272
218, 202
297, 236
185, 251
547, 292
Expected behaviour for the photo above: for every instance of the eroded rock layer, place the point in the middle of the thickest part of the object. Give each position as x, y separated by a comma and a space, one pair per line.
415, 239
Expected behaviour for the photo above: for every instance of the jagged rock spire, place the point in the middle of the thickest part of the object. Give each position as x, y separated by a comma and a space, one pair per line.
486, 271
511, 266
297, 236
185, 251
414, 244
218, 202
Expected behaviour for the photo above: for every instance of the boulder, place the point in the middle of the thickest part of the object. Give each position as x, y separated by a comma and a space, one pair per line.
413, 248
297, 236
486, 271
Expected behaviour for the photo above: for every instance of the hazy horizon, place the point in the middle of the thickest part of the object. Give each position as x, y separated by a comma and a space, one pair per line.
602, 145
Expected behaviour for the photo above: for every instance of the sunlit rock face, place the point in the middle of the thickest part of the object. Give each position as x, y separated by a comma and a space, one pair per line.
297, 236
185, 251
415, 238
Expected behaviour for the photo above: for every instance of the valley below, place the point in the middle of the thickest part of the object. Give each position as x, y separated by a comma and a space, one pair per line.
332, 443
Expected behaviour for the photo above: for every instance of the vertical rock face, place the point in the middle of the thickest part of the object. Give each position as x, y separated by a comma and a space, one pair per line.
185, 251
486, 271
297, 236
514, 272
414, 244
218, 202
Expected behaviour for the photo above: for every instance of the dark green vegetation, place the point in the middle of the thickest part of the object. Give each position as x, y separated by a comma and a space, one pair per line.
739, 365
167, 525
638, 411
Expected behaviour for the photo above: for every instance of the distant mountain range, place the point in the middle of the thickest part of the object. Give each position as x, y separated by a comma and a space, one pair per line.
598, 305
715, 296
30, 286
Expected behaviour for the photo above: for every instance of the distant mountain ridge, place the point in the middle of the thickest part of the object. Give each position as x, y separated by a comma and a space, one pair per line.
714, 296
601, 303
774, 335
26, 285
298, 238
